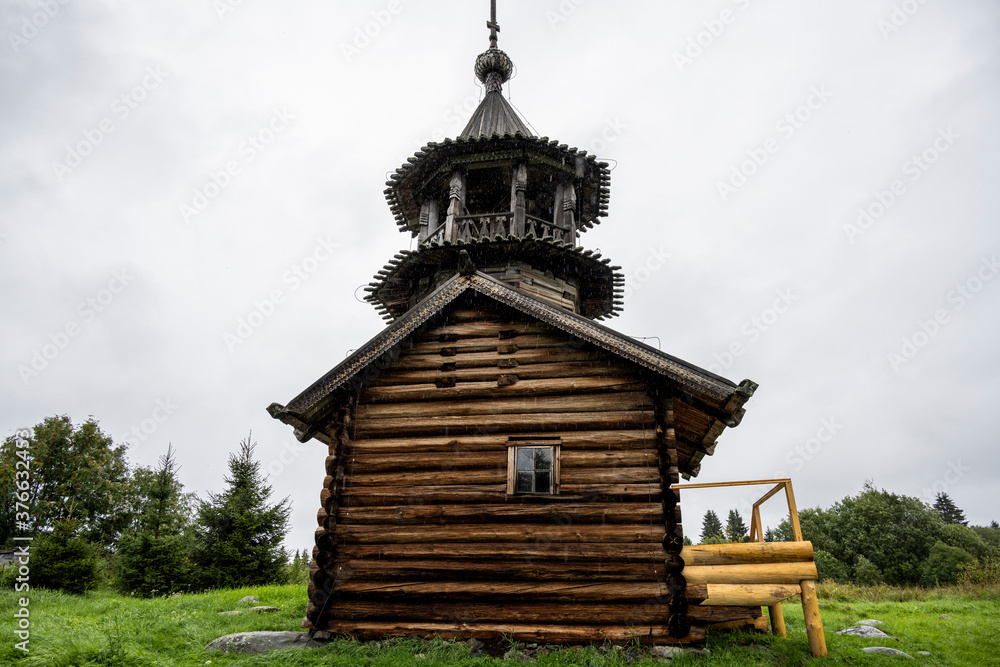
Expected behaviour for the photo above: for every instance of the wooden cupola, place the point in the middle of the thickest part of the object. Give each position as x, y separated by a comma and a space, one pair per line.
515, 203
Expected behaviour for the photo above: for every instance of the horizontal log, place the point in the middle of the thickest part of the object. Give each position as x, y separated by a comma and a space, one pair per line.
599, 440
440, 477
701, 614
533, 591
748, 552
354, 534
649, 474
519, 423
424, 495
544, 551
445, 477
490, 359
528, 632
594, 492
498, 570
649, 612
487, 343
525, 371
757, 573
558, 513
486, 326
615, 401
488, 388
466, 460
748, 594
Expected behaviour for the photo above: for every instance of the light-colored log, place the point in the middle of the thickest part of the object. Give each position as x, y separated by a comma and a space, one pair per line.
354, 534
757, 573
556, 421
508, 406
529, 632
527, 512
745, 595
814, 623
582, 440
777, 620
544, 551
749, 552
706, 615
489, 389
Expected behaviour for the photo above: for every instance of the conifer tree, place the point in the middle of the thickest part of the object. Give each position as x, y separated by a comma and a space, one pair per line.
948, 510
736, 530
240, 533
711, 526
154, 557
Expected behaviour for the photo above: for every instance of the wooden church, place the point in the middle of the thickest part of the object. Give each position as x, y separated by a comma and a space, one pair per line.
499, 462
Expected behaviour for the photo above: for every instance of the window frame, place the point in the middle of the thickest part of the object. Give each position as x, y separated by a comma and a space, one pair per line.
512, 448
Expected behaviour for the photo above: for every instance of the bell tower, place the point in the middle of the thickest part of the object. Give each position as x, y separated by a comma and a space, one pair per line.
500, 200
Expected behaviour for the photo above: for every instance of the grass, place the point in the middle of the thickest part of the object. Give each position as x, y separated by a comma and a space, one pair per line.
104, 628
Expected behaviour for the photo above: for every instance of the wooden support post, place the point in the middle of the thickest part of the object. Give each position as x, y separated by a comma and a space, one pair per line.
777, 619
456, 205
519, 185
814, 624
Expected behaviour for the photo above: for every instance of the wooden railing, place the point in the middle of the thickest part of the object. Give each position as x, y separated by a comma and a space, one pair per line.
491, 225
755, 566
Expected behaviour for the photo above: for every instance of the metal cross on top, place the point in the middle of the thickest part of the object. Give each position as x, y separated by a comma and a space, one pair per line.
493, 25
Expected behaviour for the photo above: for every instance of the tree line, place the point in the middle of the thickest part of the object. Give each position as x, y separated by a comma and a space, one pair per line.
96, 519
878, 537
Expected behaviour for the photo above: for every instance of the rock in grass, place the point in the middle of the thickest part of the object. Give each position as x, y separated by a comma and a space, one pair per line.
265, 610
862, 631
869, 621
669, 652
887, 651
250, 599
260, 642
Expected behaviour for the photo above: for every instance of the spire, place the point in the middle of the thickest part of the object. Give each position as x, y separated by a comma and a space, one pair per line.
495, 116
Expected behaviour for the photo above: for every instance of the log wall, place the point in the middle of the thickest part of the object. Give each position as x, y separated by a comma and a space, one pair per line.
418, 534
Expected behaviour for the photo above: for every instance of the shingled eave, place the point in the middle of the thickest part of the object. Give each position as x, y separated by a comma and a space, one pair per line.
406, 213
308, 407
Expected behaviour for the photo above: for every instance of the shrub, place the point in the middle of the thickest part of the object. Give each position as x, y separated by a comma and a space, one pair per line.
830, 569
65, 561
980, 572
865, 572
943, 564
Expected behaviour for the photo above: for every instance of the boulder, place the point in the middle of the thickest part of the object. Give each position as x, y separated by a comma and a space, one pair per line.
260, 642
862, 631
887, 651
869, 621
250, 599
265, 610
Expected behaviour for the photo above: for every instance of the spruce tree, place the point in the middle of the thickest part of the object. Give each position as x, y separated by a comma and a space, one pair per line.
736, 530
948, 510
711, 527
240, 533
154, 557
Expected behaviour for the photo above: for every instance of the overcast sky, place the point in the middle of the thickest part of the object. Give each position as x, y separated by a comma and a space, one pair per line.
804, 194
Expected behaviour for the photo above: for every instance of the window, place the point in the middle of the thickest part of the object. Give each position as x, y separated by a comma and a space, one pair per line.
533, 468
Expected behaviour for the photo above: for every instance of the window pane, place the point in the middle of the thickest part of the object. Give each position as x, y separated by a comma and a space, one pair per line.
543, 458
524, 458
524, 482
542, 483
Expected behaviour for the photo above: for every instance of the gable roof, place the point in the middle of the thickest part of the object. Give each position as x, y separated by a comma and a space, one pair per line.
308, 408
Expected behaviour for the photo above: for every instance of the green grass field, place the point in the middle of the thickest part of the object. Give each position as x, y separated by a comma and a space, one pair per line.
103, 628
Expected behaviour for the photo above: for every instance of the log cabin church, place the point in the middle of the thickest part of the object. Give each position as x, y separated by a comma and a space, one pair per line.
500, 463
